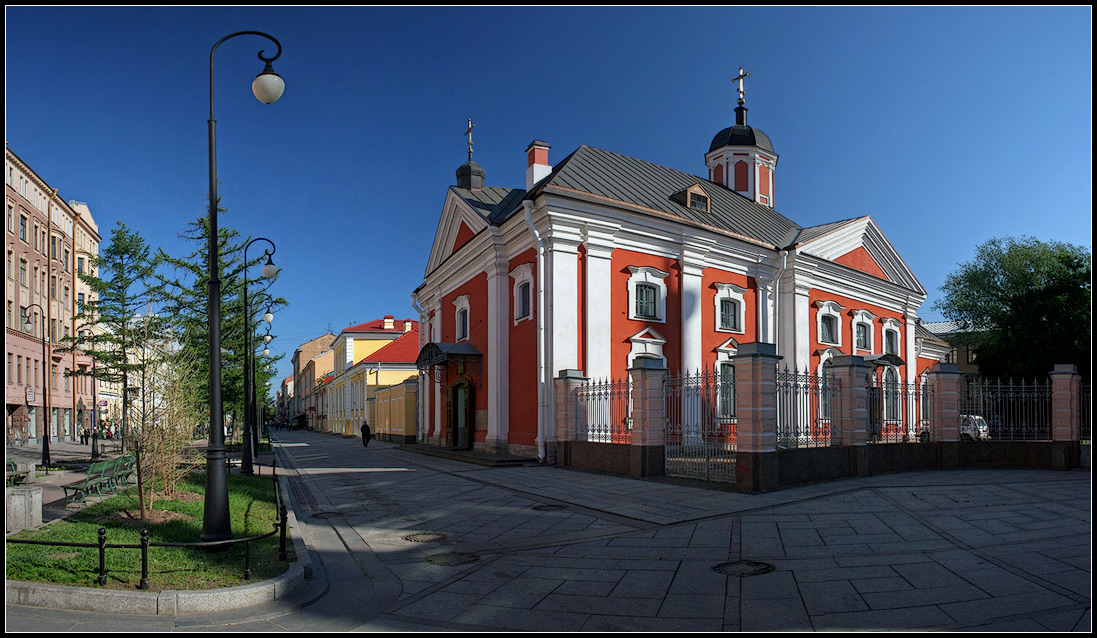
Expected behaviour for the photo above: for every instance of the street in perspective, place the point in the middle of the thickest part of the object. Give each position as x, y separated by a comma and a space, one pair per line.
404, 541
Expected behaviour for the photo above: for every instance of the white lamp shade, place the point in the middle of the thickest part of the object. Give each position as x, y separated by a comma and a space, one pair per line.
268, 87
268, 317
270, 270
267, 338
266, 351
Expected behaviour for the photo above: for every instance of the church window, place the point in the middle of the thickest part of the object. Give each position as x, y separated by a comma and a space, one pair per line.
461, 318
647, 294
522, 292
729, 308
828, 328
698, 201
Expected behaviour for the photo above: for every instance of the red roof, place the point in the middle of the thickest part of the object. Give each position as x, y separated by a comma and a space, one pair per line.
378, 325
403, 349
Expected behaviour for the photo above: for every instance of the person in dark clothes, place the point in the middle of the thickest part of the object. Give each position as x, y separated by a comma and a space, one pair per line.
366, 435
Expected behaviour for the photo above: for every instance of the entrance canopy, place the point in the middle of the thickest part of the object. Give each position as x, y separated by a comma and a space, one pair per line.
436, 354
878, 360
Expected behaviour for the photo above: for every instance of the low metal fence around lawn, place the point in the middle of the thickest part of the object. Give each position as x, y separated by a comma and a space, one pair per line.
280, 528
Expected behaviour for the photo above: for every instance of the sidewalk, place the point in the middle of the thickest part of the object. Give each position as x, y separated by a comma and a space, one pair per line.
402, 541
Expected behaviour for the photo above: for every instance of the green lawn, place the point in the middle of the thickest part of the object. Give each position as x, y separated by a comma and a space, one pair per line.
252, 511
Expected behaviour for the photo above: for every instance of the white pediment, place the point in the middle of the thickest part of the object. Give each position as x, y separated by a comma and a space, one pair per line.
864, 233
455, 212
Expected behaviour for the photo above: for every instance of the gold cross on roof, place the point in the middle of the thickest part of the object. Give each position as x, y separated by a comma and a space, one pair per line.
742, 93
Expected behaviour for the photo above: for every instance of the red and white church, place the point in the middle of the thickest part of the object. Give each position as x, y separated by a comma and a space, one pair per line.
604, 258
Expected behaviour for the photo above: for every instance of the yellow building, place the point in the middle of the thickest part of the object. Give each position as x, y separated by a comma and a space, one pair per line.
353, 384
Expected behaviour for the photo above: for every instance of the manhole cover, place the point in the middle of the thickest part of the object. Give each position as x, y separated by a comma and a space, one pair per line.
424, 537
549, 507
451, 559
743, 568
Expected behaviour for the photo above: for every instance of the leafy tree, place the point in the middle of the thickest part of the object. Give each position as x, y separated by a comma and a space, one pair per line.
120, 280
187, 295
1024, 306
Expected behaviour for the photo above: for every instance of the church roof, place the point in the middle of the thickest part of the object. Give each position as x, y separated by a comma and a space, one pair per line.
634, 182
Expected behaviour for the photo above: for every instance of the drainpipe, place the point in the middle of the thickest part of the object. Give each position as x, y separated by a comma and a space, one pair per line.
527, 206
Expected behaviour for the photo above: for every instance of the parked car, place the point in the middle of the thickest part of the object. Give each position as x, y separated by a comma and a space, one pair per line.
973, 428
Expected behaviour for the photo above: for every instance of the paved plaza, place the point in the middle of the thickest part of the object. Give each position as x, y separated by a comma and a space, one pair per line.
404, 541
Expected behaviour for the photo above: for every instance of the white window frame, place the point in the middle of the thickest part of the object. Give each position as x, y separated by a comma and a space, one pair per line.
653, 277
522, 274
892, 325
460, 304
866, 318
829, 309
734, 293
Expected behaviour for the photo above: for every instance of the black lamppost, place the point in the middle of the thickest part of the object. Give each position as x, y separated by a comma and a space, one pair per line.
29, 326
267, 87
246, 450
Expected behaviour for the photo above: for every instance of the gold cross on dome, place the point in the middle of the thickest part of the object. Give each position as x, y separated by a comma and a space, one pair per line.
469, 133
742, 93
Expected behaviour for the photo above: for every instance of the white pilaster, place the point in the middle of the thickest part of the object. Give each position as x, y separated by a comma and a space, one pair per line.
692, 262
498, 372
599, 291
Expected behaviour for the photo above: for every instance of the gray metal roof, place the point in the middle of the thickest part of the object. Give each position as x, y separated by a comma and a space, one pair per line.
493, 202
633, 181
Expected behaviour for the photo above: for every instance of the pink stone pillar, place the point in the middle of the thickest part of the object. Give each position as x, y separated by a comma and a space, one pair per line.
1066, 418
849, 407
648, 454
756, 416
568, 413
944, 381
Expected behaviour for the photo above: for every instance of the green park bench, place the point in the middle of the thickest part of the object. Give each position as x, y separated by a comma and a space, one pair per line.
14, 476
95, 479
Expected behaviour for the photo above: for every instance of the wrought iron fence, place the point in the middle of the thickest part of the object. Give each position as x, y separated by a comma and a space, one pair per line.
897, 412
604, 409
806, 405
700, 431
1014, 411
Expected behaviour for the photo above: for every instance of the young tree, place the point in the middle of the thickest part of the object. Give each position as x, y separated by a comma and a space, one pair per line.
120, 280
187, 295
1025, 306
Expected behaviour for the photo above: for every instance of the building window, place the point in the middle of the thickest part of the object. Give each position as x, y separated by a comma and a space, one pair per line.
828, 332
80, 302
829, 323
647, 294
23, 272
891, 395
891, 336
698, 201
23, 227
19, 370
863, 342
726, 393
79, 265
729, 308
522, 291
461, 317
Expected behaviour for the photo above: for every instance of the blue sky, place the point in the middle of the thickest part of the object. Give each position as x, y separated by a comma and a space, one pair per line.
948, 126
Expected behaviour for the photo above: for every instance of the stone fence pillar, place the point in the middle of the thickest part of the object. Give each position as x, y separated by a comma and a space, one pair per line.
1066, 418
945, 389
756, 415
849, 410
648, 454
569, 414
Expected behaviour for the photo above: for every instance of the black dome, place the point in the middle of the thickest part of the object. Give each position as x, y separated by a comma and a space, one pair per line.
741, 135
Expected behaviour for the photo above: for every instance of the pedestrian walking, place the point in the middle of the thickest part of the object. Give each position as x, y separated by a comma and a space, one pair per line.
366, 435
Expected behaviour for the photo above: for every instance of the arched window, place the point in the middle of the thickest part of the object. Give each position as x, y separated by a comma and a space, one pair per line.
891, 395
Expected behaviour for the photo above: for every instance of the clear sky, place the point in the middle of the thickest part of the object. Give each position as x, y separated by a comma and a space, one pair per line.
947, 125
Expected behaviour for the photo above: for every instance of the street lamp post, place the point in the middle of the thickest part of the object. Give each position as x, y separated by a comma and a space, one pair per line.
267, 88
247, 451
29, 325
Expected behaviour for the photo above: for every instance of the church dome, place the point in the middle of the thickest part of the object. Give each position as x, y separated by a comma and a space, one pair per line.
741, 135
